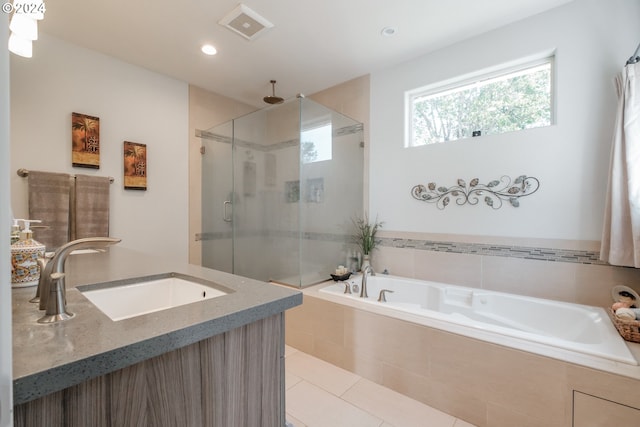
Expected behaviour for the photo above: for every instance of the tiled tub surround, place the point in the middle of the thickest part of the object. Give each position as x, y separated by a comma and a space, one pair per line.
488, 249
483, 383
554, 269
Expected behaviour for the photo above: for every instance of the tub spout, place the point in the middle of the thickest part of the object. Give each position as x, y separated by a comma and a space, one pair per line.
363, 288
53, 288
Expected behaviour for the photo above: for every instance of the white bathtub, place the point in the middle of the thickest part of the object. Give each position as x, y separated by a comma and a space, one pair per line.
480, 314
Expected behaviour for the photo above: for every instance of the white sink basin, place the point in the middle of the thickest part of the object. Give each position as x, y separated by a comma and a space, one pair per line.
122, 300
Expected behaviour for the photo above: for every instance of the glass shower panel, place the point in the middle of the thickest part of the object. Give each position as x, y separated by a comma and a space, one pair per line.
280, 188
331, 186
217, 195
265, 208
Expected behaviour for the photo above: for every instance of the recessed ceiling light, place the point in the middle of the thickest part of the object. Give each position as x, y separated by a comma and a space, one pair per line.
208, 49
388, 31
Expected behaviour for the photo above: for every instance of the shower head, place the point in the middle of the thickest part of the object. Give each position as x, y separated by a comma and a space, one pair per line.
273, 99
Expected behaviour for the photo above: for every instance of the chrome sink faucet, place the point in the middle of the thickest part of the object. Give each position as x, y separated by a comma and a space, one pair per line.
52, 288
367, 270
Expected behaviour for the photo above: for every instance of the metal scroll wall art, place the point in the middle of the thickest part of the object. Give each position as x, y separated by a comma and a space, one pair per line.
494, 194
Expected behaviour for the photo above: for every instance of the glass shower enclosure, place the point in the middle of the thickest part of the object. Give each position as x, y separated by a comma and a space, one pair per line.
280, 189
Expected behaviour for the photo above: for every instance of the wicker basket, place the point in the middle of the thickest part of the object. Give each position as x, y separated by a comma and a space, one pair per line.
628, 329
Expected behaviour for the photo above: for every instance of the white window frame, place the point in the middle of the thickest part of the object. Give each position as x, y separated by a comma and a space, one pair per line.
478, 77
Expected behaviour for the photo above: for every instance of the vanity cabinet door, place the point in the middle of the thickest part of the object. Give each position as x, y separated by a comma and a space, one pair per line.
592, 411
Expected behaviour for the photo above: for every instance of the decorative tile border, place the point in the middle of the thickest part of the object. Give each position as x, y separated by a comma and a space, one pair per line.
526, 252
346, 130
306, 235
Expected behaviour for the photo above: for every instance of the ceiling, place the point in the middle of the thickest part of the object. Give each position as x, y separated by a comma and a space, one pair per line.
313, 45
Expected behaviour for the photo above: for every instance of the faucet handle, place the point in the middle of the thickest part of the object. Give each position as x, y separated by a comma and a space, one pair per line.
347, 287
56, 303
42, 264
382, 297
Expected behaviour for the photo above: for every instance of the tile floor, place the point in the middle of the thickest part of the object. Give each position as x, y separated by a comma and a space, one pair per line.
319, 394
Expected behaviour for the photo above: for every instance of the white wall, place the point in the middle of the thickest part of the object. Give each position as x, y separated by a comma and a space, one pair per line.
133, 104
592, 40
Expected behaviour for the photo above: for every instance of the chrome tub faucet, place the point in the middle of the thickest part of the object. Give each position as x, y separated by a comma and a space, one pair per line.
367, 270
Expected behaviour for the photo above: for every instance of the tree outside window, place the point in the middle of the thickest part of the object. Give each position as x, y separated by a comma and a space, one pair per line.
513, 101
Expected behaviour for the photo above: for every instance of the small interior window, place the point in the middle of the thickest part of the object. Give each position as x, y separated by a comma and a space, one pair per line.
315, 143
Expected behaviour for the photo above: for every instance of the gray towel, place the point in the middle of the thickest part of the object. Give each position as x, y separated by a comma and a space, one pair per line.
90, 217
49, 202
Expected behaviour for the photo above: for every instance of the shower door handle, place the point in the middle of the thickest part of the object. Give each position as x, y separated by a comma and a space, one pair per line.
226, 218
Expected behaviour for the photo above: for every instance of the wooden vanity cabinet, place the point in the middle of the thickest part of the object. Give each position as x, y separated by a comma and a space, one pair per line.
232, 379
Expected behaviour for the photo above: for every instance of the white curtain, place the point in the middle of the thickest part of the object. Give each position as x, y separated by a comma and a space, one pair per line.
621, 232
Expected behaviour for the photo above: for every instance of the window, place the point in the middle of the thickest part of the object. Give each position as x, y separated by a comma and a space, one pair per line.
315, 143
511, 99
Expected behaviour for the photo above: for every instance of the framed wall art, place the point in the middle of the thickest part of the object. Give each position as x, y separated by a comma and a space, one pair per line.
135, 166
85, 141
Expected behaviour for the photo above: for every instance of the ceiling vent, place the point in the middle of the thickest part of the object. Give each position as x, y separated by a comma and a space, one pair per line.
245, 22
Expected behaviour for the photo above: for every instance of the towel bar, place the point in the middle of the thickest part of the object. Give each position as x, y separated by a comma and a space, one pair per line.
25, 173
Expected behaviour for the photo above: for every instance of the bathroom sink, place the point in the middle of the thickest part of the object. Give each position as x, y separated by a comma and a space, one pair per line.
124, 299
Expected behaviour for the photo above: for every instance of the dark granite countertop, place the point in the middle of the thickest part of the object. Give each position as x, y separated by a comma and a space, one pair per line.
51, 357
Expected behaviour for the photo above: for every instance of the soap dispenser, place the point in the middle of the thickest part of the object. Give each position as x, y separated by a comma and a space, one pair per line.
24, 258
15, 231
